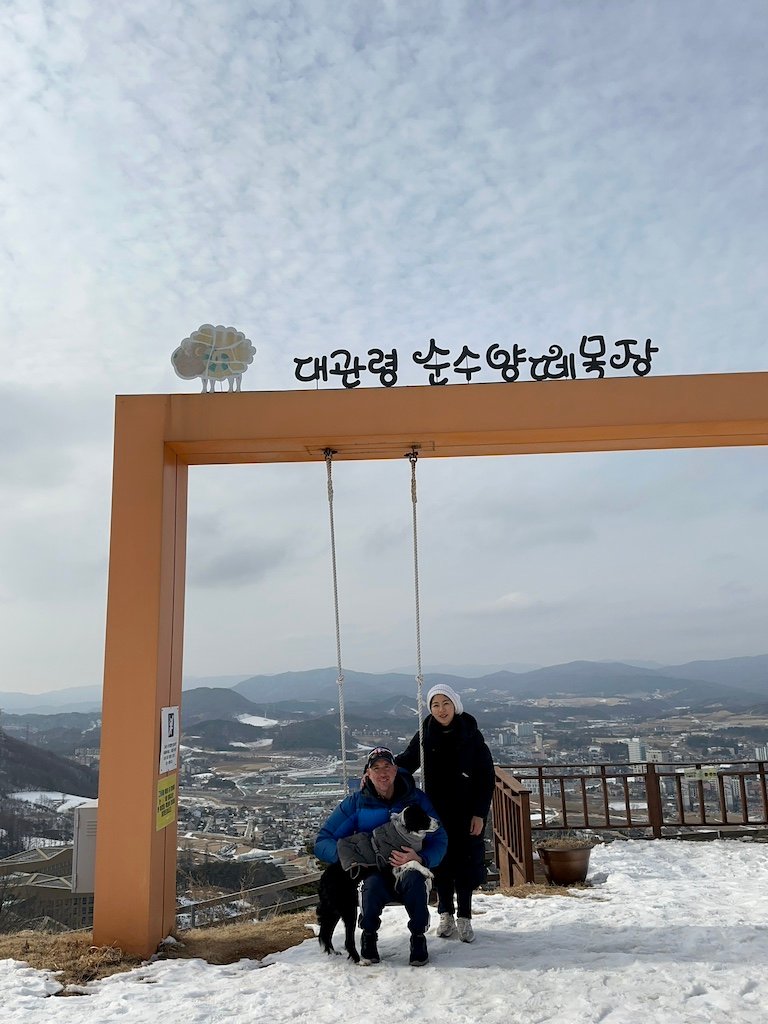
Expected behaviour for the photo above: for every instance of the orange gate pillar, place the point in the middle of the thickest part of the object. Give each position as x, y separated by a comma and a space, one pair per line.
135, 861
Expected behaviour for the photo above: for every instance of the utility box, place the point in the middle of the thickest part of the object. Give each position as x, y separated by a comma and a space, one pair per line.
84, 851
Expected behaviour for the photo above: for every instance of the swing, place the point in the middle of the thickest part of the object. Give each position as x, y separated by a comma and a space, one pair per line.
412, 456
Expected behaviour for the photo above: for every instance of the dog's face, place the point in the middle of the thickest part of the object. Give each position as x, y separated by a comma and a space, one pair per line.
415, 818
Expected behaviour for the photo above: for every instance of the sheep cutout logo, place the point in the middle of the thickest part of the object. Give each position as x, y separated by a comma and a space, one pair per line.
214, 353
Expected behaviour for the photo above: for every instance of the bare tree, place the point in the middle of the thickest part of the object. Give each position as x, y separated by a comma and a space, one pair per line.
14, 912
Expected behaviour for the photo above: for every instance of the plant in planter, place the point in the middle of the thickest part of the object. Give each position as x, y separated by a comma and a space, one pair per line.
565, 859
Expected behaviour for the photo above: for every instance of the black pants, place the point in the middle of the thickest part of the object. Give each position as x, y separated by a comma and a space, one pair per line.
446, 885
460, 872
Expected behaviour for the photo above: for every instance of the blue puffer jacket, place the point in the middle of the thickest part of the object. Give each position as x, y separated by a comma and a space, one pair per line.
364, 811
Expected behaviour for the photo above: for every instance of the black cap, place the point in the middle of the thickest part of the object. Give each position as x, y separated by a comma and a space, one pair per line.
379, 754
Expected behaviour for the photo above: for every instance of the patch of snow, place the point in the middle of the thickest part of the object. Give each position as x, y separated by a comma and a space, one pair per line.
257, 720
62, 801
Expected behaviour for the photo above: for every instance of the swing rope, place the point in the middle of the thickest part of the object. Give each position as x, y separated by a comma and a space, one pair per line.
413, 457
329, 453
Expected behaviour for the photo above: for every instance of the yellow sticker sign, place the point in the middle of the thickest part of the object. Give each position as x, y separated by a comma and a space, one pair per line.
166, 802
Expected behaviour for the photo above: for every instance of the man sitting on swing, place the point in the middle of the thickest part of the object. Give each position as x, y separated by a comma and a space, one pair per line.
386, 790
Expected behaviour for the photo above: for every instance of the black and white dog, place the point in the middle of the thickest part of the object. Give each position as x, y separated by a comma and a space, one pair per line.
337, 901
337, 891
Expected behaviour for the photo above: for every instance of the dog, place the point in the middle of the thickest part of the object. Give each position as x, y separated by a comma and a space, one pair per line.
415, 818
337, 901
337, 892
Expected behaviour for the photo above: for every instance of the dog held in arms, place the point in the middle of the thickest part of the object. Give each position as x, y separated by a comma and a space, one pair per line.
359, 854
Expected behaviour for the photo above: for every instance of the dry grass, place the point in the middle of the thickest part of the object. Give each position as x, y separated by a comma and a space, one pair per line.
533, 890
71, 953
250, 940
566, 843
78, 961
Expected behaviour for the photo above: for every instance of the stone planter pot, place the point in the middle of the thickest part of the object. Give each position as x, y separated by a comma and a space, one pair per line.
565, 867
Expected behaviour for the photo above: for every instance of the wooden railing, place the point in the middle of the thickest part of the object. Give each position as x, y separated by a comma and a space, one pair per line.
512, 830
655, 799
229, 908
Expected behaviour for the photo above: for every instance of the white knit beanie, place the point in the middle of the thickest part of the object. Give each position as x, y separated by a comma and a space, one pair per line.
450, 693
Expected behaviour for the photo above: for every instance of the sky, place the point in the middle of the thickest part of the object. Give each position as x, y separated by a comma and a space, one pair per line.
325, 175
668, 933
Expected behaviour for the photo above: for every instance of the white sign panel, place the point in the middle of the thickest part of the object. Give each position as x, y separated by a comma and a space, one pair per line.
169, 739
700, 774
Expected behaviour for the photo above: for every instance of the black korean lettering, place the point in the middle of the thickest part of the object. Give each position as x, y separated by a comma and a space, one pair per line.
347, 367
317, 369
640, 361
384, 365
466, 370
592, 351
436, 368
555, 365
499, 358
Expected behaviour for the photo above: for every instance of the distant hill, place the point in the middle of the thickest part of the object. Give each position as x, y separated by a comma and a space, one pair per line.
317, 734
209, 703
62, 733
744, 673
573, 677
23, 766
320, 683
218, 733
194, 682
611, 679
73, 698
465, 671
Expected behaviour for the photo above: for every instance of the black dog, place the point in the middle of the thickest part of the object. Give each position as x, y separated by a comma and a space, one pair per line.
337, 901
337, 892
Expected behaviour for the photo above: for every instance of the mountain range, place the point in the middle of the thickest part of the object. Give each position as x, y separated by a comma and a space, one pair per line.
742, 682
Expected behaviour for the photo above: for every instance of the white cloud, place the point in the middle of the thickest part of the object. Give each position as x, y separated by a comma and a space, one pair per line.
327, 176
514, 601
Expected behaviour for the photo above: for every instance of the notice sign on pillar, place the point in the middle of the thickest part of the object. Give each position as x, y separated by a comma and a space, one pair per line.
169, 740
165, 813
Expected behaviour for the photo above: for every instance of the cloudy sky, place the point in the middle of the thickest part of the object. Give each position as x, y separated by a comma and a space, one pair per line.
323, 175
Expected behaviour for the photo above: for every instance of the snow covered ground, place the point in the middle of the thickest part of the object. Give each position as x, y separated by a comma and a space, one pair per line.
63, 801
257, 720
669, 933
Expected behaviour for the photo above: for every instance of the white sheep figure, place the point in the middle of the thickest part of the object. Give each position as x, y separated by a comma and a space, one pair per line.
214, 353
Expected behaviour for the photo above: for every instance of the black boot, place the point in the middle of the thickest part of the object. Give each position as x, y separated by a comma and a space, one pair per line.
369, 951
419, 954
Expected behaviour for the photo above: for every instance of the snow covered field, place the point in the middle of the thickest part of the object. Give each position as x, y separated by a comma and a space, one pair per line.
62, 802
669, 933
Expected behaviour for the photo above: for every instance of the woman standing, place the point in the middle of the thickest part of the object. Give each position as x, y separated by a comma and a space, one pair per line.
459, 780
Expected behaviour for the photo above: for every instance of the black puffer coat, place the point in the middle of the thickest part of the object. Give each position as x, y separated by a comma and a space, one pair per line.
459, 782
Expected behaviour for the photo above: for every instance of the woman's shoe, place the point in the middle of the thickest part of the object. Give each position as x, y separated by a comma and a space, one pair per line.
466, 932
446, 929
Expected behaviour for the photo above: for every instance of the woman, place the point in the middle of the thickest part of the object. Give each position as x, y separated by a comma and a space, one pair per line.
459, 780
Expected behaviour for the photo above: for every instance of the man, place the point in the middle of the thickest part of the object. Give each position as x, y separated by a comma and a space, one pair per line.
385, 790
